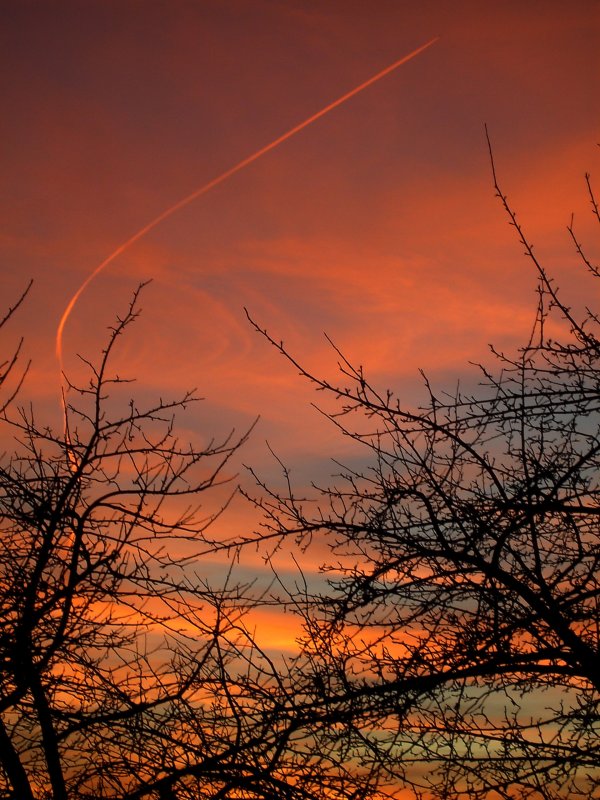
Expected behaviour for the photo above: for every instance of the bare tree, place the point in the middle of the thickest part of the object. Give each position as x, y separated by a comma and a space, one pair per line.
458, 643
123, 672
455, 650
8, 367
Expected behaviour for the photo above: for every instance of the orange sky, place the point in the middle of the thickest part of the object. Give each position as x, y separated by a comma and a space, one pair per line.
377, 224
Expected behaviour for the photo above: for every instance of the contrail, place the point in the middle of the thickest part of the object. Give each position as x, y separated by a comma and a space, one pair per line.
216, 181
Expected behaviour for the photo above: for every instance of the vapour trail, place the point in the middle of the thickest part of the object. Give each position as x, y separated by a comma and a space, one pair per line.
215, 182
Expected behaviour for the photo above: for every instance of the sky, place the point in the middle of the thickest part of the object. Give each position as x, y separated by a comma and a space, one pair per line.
376, 225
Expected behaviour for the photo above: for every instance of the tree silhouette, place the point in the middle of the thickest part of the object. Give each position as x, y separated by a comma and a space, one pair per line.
8, 367
123, 672
458, 642
455, 650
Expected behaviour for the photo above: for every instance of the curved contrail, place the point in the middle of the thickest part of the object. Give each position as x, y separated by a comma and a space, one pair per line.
215, 182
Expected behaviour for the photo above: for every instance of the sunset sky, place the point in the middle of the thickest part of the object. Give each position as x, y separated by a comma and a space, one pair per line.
376, 225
